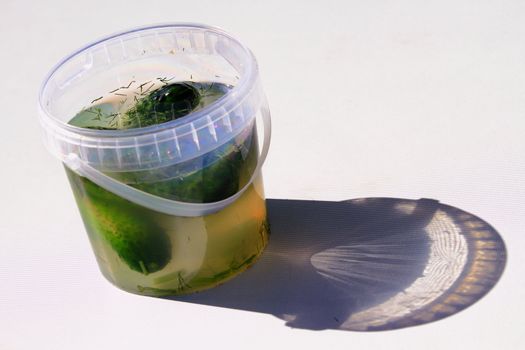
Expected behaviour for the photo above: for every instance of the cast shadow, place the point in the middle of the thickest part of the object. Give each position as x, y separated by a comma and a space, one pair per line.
365, 264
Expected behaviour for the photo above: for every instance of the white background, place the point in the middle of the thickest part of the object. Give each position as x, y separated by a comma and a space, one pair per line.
403, 99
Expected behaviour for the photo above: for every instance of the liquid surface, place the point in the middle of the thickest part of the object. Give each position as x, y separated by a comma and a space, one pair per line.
147, 252
151, 103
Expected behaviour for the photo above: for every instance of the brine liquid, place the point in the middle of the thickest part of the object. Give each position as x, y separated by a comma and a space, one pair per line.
204, 251
147, 252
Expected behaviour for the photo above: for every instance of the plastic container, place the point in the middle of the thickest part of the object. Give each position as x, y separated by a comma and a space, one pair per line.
173, 207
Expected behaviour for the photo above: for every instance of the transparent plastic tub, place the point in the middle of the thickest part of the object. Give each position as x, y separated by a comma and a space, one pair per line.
177, 206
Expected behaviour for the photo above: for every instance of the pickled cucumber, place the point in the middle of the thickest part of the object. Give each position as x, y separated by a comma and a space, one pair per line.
136, 238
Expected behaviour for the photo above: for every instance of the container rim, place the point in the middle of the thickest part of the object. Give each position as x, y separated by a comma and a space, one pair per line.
237, 93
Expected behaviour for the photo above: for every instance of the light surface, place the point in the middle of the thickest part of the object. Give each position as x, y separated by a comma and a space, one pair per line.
405, 99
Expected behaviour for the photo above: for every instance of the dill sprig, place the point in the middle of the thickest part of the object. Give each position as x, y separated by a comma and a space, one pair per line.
165, 80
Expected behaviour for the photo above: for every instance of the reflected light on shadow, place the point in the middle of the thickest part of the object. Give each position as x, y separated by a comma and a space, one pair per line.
366, 264
446, 261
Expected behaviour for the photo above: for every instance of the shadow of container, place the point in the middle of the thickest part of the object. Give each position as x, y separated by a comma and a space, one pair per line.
366, 264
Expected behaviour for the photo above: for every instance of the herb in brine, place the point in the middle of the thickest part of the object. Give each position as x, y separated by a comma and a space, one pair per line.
150, 103
168, 103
